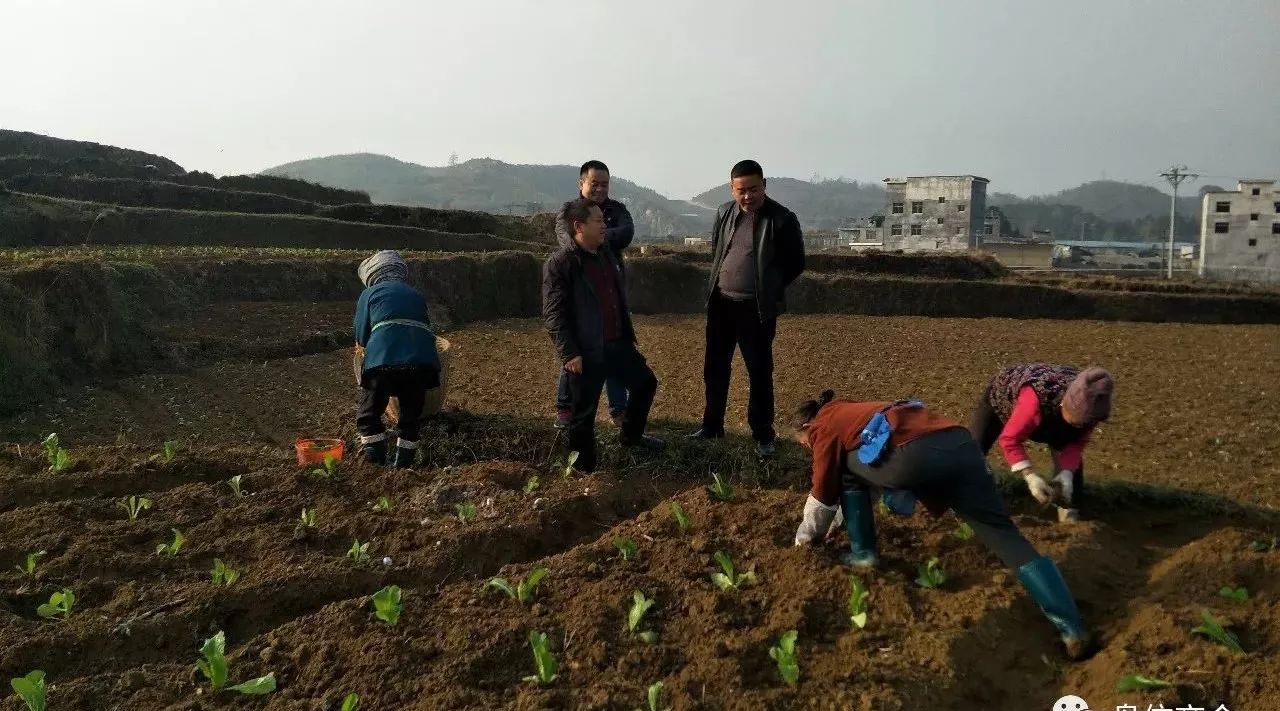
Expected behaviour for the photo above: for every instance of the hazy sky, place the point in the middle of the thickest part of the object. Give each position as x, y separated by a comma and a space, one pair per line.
1036, 95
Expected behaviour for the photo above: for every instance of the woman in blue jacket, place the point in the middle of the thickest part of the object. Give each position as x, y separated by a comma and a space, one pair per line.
400, 358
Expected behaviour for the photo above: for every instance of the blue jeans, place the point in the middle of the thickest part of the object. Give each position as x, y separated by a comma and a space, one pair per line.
615, 388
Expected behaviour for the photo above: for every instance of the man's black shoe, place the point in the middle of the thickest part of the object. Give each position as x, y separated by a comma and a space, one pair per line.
704, 433
644, 441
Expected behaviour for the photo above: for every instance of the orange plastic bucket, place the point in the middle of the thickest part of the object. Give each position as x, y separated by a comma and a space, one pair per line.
314, 451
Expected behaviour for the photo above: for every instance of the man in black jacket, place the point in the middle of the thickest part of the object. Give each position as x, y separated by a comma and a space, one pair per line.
619, 229
759, 250
584, 304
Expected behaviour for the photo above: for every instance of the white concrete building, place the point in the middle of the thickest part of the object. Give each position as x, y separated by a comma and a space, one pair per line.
1240, 233
935, 212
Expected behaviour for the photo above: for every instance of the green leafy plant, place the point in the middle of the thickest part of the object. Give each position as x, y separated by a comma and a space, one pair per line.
234, 483
383, 505
1263, 546
566, 467
221, 574
171, 548
213, 665
386, 604
531, 484
329, 469
931, 574
882, 509
359, 552
466, 511
59, 458
640, 606
543, 662
524, 591
60, 603
308, 519
784, 654
28, 568
351, 702
134, 505
964, 531
1216, 632
858, 595
682, 519
655, 698
31, 689
1240, 594
728, 578
626, 548
1137, 682
169, 452
720, 489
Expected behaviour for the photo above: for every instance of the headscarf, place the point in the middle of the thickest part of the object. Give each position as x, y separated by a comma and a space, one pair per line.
386, 265
1088, 397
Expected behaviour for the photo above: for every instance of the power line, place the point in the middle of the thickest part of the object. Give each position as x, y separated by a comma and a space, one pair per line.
1175, 176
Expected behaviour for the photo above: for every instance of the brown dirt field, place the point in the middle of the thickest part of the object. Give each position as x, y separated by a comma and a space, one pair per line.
1142, 572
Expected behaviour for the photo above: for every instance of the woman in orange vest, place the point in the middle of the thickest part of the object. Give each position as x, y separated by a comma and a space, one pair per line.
908, 453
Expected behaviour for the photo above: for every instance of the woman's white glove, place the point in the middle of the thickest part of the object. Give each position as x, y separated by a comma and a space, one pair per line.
1066, 480
817, 519
1039, 488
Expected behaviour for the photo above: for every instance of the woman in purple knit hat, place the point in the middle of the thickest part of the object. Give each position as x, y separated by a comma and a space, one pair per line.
1056, 405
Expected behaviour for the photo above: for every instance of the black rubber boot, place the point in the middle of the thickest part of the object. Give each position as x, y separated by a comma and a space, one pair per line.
859, 521
405, 455
1046, 586
375, 452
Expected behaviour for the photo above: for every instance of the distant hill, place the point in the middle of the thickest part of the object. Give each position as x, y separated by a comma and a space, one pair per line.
489, 185
24, 144
826, 204
1102, 210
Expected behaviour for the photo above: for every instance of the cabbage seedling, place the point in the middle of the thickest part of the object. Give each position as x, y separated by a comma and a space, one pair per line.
383, 505
359, 552
626, 547
169, 452
221, 574
1137, 682
640, 606
964, 531
329, 470
32, 690
728, 578
720, 488
1240, 594
386, 604
28, 568
682, 519
931, 575
858, 595
544, 663
351, 702
531, 484
234, 483
134, 505
172, 548
59, 458
307, 519
1216, 632
566, 468
466, 511
655, 697
524, 591
60, 603
784, 654
214, 668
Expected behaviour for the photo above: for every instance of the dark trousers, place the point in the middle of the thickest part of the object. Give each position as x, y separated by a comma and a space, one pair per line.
614, 389
738, 324
986, 427
948, 467
409, 385
621, 360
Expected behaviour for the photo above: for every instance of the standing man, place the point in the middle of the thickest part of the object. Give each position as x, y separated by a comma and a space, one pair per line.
759, 250
584, 302
619, 229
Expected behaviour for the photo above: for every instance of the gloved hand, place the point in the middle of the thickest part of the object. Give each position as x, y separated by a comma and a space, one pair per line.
1039, 488
817, 519
1066, 480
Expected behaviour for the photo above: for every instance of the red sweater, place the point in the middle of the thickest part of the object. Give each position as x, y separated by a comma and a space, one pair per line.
837, 430
1022, 422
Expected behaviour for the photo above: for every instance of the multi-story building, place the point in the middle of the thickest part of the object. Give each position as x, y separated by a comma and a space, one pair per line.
935, 212
1240, 233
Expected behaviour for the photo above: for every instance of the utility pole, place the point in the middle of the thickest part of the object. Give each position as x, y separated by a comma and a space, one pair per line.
1175, 176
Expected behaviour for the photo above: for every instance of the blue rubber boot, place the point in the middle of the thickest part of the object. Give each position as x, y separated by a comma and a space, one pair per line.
1044, 582
859, 521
